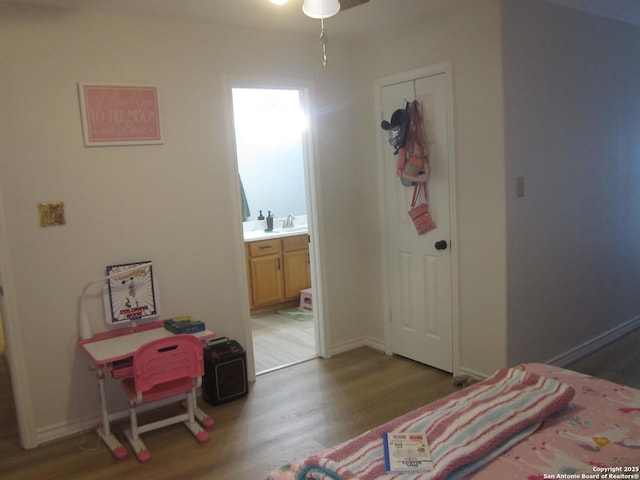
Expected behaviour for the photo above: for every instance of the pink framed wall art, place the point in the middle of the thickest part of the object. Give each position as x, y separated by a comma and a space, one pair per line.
119, 114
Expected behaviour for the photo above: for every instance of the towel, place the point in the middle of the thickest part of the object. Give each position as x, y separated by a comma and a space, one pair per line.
246, 213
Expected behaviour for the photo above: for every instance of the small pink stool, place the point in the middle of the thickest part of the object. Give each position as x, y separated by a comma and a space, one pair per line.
306, 299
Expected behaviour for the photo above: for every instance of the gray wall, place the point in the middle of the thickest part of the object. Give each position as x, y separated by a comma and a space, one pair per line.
572, 124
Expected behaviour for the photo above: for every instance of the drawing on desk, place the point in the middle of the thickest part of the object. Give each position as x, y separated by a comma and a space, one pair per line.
132, 295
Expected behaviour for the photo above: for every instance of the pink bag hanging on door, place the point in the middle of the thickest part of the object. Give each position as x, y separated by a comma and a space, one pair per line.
420, 214
412, 165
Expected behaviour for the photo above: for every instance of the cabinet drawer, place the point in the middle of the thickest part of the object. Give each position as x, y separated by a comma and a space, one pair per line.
264, 247
299, 242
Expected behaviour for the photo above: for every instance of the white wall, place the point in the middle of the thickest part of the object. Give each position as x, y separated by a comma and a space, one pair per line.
175, 204
572, 117
468, 34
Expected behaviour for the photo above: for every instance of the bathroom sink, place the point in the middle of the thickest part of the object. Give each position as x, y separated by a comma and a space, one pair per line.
276, 232
298, 228
284, 231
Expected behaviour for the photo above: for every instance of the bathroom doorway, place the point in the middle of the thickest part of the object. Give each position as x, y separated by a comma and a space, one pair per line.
271, 131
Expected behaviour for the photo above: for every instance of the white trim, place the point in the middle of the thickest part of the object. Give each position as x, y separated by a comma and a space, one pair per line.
88, 425
236, 226
13, 342
358, 343
595, 344
316, 230
312, 187
411, 75
472, 373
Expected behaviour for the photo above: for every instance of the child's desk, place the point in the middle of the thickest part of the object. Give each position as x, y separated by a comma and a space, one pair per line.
113, 352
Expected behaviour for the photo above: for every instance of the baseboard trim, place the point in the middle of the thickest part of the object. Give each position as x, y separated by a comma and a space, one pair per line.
472, 373
375, 344
357, 343
595, 344
81, 427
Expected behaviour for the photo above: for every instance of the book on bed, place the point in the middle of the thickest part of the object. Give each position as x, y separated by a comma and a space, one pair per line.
406, 452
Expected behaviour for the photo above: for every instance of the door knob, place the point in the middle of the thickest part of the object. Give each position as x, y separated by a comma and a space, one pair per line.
441, 245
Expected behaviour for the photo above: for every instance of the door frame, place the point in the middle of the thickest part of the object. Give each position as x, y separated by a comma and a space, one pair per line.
312, 188
408, 76
13, 342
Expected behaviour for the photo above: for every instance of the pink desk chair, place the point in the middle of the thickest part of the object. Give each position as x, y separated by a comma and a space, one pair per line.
168, 367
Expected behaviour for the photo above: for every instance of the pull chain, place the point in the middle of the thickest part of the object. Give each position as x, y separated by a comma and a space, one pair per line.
323, 41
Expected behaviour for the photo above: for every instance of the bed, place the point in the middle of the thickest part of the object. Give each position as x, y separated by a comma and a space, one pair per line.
531, 422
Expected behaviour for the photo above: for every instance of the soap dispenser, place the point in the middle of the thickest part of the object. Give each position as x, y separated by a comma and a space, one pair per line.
260, 217
269, 221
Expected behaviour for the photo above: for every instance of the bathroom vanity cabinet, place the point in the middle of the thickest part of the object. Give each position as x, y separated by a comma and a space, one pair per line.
277, 270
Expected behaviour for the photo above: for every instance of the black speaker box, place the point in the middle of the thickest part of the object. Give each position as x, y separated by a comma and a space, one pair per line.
225, 371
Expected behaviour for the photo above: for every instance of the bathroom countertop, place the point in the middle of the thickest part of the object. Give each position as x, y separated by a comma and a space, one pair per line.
256, 235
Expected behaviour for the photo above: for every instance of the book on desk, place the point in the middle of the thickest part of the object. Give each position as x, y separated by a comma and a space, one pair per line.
179, 326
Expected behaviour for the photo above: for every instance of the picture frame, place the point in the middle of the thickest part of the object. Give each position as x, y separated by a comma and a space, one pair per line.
117, 114
132, 295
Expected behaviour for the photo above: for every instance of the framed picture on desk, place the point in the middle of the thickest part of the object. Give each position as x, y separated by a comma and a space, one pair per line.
132, 295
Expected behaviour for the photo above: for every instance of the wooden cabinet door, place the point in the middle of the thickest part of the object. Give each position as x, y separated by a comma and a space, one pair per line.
266, 280
297, 273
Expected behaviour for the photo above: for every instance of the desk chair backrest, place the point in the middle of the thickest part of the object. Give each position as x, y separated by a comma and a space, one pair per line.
167, 359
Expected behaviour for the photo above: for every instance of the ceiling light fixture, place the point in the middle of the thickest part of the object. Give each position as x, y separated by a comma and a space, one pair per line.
321, 9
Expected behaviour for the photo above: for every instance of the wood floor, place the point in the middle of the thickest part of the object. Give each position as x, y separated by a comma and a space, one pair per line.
279, 341
618, 362
288, 414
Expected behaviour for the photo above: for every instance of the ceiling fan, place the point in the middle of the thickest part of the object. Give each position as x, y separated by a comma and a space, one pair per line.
324, 9
347, 4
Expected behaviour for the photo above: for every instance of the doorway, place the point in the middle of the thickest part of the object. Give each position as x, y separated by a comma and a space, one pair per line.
9, 429
16, 414
270, 130
420, 278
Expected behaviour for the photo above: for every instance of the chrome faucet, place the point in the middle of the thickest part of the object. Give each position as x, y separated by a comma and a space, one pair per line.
289, 222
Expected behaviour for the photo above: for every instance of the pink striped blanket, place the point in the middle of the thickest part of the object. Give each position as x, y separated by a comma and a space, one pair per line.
466, 430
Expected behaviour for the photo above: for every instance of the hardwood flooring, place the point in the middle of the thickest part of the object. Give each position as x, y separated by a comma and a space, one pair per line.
618, 362
289, 413
279, 341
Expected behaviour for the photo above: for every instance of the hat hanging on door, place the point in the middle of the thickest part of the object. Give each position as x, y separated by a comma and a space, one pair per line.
398, 128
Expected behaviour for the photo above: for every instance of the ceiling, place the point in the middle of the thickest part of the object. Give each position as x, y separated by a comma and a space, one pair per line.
352, 23
624, 10
376, 15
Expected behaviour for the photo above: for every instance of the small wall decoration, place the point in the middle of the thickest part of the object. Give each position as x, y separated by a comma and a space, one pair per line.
119, 114
51, 213
132, 295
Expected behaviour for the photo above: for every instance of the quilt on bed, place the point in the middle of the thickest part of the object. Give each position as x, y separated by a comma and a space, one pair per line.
596, 436
475, 430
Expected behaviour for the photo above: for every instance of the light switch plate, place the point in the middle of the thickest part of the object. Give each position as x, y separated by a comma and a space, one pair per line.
520, 187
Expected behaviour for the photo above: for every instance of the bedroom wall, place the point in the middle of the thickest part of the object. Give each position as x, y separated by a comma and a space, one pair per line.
468, 34
572, 116
174, 204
